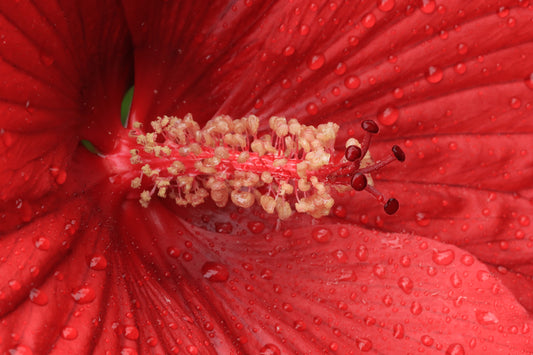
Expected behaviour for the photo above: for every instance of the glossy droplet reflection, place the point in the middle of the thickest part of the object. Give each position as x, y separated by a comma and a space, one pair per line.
215, 272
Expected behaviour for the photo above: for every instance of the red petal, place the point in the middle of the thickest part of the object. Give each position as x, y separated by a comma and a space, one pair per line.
60, 63
282, 290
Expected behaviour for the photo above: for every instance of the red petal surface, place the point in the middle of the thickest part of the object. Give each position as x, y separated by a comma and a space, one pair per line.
156, 283
458, 99
56, 60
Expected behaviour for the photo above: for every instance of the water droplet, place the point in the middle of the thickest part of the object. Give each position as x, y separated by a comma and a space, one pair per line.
455, 280
173, 252
467, 260
69, 333
288, 51
215, 272
269, 349
363, 344
459, 68
524, 220
486, 318
14, 285
299, 325
83, 295
97, 262
316, 61
340, 69
304, 30
503, 11
444, 257
455, 349
369, 20
321, 235
398, 331
388, 115
256, 227
131, 332
405, 284
267, 274
427, 340
434, 74
20, 350
462, 48
341, 256
416, 308
361, 252
428, 6
379, 271
352, 82
223, 227
386, 5
41, 242
311, 108
515, 102
38, 297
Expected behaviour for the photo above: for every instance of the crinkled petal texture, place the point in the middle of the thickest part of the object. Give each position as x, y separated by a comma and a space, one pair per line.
96, 272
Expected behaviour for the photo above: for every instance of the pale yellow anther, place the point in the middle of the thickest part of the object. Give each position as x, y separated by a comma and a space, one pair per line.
162, 192
252, 123
145, 198
283, 209
304, 185
166, 150
244, 199
176, 167
294, 127
266, 177
268, 203
286, 188
136, 183
199, 165
137, 125
221, 153
258, 147
279, 162
146, 170
136, 160
302, 168
243, 157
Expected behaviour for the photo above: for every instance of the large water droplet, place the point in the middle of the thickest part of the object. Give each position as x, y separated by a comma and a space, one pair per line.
444, 257
97, 262
486, 318
38, 297
269, 349
434, 74
386, 5
215, 272
83, 295
131, 332
321, 235
405, 284
455, 349
398, 331
316, 61
363, 344
428, 6
41, 242
69, 333
388, 116
352, 82
529, 81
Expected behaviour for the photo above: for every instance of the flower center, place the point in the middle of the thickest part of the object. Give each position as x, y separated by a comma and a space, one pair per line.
293, 167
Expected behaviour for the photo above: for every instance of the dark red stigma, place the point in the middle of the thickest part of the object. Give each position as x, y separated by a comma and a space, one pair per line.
357, 174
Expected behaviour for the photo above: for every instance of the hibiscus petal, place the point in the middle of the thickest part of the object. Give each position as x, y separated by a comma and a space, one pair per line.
428, 72
56, 61
199, 291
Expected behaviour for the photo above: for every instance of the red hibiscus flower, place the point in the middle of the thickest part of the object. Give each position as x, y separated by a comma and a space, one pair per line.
85, 268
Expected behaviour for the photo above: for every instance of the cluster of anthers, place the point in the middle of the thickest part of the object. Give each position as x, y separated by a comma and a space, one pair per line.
292, 168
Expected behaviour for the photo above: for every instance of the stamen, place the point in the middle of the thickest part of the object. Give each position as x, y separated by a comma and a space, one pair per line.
291, 168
